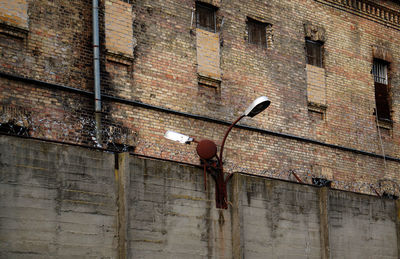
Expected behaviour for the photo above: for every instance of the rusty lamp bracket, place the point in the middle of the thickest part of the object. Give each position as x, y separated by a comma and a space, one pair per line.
207, 151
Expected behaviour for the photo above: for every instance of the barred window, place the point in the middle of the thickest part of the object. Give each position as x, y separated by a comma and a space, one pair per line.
382, 95
379, 70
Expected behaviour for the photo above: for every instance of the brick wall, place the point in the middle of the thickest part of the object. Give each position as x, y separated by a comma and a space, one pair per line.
163, 72
208, 57
14, 13
57, 46
118, 27
316, 87
280, 73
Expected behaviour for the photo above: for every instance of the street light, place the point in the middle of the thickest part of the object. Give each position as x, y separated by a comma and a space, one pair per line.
207, 151
175, 136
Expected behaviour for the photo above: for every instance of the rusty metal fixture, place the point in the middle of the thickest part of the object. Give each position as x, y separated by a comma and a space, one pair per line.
206, 149
374, 189
214, 167
296, 176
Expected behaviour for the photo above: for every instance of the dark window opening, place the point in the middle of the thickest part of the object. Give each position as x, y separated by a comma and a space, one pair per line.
256, 32
205, 17
316, 115
382, 101
314, 52
382, 95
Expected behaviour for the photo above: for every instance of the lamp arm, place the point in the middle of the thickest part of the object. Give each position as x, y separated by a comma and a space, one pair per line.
226, 135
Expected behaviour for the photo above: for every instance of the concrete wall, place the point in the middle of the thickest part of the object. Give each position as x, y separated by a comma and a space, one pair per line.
361, 227
60, 201
172, 216
278, 219
286, 220
56, 201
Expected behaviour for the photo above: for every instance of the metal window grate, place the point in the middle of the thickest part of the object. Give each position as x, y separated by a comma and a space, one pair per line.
379, 70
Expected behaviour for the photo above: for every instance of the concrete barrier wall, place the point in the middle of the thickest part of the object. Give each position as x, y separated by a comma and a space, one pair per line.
277, 218
172, 216
56, 201
361, 226
60, 201
286, 220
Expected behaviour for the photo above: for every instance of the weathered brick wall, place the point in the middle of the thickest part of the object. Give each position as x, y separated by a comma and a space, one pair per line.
316, 86
57, 46
118, 27
14, 12
163, 72
278, 72
208, 57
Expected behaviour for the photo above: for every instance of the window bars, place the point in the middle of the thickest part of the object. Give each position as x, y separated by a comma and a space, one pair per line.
379, 70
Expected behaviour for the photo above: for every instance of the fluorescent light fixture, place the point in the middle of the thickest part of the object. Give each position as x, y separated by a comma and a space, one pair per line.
259, 104
175, 136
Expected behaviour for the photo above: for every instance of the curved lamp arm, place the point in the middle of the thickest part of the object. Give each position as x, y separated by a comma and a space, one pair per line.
226, 135
257, 106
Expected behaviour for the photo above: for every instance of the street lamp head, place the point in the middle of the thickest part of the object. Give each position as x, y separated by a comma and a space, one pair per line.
258, 105
175, 136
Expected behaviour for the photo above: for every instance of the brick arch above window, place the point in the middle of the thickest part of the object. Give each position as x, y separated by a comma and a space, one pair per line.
382, 53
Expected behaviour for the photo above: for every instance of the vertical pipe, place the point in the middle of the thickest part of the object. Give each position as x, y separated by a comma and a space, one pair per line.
96, 65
